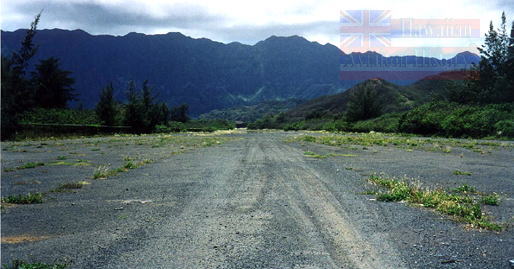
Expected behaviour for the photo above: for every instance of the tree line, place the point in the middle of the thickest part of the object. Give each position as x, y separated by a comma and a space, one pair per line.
141, 112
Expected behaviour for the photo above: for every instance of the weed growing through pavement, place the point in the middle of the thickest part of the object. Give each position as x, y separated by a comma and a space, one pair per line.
30, 165
491, 199
460, 205
102, 172
65, 187
462, 173
465, 189
130, 165
315, 155
30, 198
18, 264
403, 142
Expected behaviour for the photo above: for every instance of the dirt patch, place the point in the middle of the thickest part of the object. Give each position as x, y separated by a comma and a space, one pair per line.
22, 238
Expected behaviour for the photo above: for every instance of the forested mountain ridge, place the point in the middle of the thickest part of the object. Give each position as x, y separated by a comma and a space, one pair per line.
203, 73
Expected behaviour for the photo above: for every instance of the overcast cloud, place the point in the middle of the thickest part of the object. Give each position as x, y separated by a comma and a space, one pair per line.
227, 20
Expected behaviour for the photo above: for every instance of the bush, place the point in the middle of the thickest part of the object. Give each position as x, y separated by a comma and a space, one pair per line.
162, 129
457, 120
504, 128
387, 123
60, 116
425, 119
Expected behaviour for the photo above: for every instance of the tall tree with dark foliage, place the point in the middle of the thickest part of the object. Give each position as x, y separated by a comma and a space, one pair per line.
53, 86
106, 108
17, 91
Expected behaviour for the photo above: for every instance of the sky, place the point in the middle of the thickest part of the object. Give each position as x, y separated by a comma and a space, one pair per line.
247, 21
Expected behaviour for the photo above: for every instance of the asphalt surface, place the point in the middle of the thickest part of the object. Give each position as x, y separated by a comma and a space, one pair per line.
258, 202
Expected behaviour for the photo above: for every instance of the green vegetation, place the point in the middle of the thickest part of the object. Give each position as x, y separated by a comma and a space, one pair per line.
439, 118
252, 113
203, 125
30, 165
17, 264
491, 199
59, 116
65, 187
102, 172
458, 120
465, 189
107, 107
315, 155
30, 198
462, 173
403, 142
479, 105
363, 105
130, 165
462, 206
141, 113
47, 86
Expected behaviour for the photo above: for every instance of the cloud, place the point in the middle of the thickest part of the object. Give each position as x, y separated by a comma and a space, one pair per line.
231, 20
99, 17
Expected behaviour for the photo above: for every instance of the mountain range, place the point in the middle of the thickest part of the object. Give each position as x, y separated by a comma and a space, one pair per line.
210, 75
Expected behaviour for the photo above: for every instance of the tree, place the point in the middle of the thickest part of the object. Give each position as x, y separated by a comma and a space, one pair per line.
495, 83
179, 113
17, 92
141, 113
134, 111
106, 108
53, 86
363, 104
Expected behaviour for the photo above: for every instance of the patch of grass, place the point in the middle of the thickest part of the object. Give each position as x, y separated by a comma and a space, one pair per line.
491, 199
341, 155
95, 149
465, 189
9, 170
102, 172
30, 198
18, 264
308, 138
61, 158
70, 186
61, 163
369, 193
314, 155
128, 158
30, 165
130, 165
319, 156
462, 173
404, 142
459, 205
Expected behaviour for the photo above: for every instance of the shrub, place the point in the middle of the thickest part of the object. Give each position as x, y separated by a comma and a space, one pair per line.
387, 123
457, 120
504, 128
60, 116
30, 198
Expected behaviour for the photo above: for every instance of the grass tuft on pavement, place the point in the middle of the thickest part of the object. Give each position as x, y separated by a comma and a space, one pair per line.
460, 205
18, 264
30, 198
